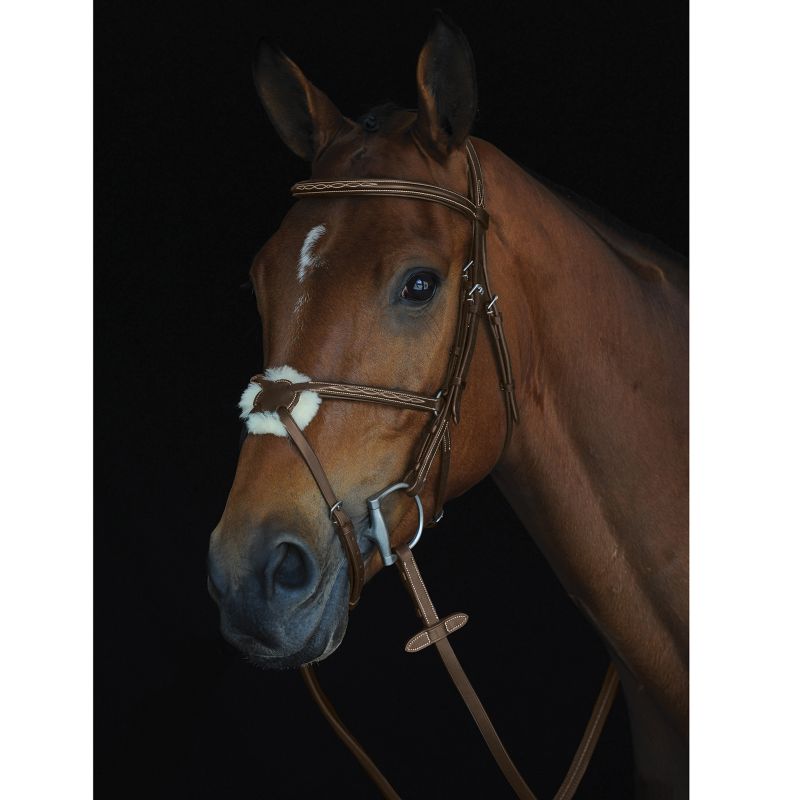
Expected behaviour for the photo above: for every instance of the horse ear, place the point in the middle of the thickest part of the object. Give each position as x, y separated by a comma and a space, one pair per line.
303, 116
446, 87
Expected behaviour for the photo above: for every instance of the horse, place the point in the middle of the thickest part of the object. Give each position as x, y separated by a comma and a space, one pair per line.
367, 291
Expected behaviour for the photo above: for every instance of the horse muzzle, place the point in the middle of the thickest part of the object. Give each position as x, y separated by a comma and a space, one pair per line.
282, 607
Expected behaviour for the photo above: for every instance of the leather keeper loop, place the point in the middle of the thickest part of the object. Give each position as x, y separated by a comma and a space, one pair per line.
435, 633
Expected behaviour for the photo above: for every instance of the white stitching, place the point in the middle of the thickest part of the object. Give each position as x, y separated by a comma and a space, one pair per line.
422, 635
386, 394
419, 602
425, 589
458, 620
459, 204
383, 184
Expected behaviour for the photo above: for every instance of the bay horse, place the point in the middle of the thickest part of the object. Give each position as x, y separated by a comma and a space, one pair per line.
367, 290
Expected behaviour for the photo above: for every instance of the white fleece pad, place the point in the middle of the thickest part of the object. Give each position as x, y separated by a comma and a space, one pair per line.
269, 422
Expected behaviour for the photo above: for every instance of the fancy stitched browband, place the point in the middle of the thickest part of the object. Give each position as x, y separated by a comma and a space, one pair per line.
281, 397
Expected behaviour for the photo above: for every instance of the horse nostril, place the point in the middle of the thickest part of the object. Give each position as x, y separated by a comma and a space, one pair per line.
291, 571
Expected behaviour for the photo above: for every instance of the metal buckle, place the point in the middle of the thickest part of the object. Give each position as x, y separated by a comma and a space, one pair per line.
333, 508
438, 395
378, 531
494, 300
476, 288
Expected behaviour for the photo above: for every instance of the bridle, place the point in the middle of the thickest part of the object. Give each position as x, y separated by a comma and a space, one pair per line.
444, 407
280, 396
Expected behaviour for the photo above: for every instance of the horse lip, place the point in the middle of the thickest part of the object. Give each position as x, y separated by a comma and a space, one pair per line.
255, 649
259, 648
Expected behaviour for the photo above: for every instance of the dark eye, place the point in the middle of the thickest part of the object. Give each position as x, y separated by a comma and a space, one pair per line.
420, 287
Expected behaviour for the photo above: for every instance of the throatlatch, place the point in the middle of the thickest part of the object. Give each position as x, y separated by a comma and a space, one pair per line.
268, 399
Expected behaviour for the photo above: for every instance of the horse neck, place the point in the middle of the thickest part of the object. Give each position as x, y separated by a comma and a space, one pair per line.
597, 468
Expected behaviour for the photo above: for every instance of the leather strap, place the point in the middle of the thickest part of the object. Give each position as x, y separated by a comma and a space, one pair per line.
389, 187
580, 761
350, 741
341, 521
374, 394
282, 392
441, 629
419, 593
436, 632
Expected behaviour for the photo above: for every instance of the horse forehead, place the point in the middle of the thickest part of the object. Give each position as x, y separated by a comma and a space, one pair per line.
342, 231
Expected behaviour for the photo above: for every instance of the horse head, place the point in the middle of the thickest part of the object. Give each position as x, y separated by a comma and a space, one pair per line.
365, 291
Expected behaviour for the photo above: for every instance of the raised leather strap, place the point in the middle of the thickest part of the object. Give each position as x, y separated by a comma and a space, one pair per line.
374, 394
436, 632
350, 741
419, 593
591, 735
390, 187
285, 393
341, 521
431, 635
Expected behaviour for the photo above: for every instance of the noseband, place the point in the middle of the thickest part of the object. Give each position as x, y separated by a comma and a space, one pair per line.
280, 397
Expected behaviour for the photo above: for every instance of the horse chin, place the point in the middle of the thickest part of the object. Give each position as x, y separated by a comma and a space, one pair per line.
318, 648
326, 635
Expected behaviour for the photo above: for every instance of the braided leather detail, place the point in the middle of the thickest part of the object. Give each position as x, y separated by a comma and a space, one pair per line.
392, 188
374, 394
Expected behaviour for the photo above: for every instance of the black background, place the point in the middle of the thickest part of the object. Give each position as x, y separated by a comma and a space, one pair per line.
190, 181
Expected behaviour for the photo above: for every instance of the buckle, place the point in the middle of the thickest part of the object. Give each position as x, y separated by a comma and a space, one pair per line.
333, 508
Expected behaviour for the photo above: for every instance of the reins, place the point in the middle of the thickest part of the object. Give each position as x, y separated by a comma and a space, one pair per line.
282, 395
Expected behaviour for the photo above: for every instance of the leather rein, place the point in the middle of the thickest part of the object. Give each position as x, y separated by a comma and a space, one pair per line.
280, 396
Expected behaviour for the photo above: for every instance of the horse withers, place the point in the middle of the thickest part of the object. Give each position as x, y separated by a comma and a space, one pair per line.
367, 291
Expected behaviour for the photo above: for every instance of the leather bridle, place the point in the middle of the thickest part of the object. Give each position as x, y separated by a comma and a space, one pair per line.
280, 396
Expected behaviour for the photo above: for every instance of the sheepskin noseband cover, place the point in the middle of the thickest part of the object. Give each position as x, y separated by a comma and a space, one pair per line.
264, 394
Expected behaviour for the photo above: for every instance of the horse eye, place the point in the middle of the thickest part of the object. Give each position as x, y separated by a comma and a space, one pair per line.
420, 287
